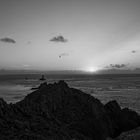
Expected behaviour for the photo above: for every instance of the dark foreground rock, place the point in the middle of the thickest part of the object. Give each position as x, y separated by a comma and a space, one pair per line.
130, 135
121, 119
58, 112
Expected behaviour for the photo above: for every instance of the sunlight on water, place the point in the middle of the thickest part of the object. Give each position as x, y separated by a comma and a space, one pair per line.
126, 90
13, 93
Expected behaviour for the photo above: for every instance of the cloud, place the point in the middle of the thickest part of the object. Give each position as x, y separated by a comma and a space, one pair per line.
133, 51
59, 39
7, 40
63, 54
117, 66
29, 42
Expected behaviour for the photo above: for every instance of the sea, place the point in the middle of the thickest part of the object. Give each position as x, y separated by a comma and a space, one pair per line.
124, 88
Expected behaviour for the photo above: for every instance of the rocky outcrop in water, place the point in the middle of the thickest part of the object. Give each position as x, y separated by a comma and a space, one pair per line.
58, 112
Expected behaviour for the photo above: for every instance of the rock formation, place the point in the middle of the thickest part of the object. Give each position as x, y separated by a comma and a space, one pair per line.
58, 112
121, 119
42, 78
130, 135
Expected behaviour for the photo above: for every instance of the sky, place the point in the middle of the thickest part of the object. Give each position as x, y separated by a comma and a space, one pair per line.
69, 34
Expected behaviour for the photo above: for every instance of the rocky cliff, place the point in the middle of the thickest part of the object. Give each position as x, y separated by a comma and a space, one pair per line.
130, 135
58, 112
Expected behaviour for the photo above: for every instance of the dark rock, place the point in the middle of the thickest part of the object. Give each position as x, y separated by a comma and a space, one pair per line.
121, 119
58, 112
42, 85
133, 134
131, 119
34, 88
42, 78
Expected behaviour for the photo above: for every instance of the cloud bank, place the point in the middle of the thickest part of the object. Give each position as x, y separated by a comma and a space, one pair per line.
59, 39
8, 40
116, 66
133, 51
63, 54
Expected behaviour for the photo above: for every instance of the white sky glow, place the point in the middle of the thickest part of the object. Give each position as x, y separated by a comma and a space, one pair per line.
98, 33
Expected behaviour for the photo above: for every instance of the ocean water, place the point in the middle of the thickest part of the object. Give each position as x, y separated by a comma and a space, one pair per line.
123, 88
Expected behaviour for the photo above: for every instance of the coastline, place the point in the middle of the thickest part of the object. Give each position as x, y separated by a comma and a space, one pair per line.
57, 111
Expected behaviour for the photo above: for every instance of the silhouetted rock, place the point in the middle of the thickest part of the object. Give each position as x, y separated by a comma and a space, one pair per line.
42, 85
130, 135
42, 78
122, 119
58, 112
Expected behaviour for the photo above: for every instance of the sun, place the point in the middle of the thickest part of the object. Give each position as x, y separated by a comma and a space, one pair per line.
92, 69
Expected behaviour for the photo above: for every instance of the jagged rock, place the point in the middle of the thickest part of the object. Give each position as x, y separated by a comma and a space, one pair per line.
130, 135
130, 120
58, 112
122, 119
42, 78
42, 85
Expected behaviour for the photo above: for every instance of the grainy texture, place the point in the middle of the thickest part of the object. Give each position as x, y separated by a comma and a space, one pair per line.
58, 112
